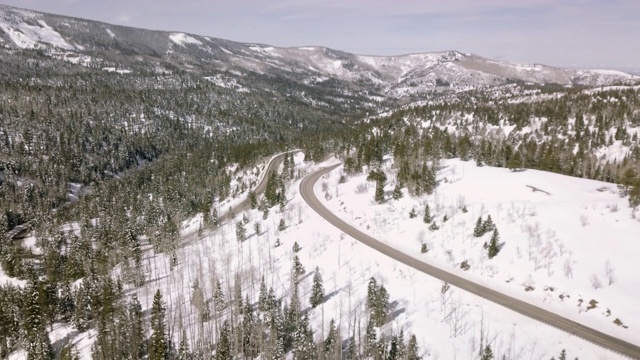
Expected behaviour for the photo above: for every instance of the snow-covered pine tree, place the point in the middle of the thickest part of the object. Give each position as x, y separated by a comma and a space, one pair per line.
223, 348
158, 344
331, 341
298, 268
303, 345
427, 215
412, 349
240, 231
379, 194
218, 297
494, 249
397, 192
262, 296
183, 349
136, 337
372, 293
370, 340
478, 230
487, 354
37, 343
317, 290
381, 307
253, 200
487, 225
250, 341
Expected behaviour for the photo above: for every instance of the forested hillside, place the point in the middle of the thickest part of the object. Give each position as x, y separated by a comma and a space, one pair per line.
108, 152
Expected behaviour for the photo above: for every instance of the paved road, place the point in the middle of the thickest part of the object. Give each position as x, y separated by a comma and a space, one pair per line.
245, 204
524, 308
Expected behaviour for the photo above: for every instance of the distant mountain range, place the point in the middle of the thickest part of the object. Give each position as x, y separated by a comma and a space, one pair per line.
125, 49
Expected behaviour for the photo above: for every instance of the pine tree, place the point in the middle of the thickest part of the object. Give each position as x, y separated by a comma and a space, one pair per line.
66, 305
397, 192
487, 225
136, 337
563, 355
477, 230
393, 349
296, 247
372, 293
37, 343
330, 341
371, 339
253, 200
282, 226
487, 354
249, 343
427, 215
240, 231
494, 249
237, 289
257, 227
69, 352
634, 194
223, 348
270, 193
379, 194
412, 213
381, 307
218, 297
303, 346
402, 348
317, 290
183, 350
158, 347
412, 349
214, 218
262, 297
298, 268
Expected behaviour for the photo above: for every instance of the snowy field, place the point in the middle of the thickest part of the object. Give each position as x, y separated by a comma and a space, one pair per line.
448, 324
567, 248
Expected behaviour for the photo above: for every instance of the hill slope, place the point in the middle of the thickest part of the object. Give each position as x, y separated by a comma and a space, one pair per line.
90, 42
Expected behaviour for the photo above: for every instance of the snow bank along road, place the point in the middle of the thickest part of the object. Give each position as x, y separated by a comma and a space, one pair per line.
534, 312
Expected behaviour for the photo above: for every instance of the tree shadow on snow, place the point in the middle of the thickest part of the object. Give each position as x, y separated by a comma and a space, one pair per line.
395, 311
328, 296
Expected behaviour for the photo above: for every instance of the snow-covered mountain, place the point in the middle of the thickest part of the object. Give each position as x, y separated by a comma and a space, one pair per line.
91, 43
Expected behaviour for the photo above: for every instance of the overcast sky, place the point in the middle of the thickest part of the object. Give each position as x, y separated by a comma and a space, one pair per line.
582, 33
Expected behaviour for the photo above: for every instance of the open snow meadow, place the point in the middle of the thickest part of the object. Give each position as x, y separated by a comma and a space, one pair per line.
578, 273
568, 245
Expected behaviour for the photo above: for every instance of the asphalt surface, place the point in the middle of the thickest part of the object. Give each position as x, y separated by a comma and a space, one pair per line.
245, 204
594, 336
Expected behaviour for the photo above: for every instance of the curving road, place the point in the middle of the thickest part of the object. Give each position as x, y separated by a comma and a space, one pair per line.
599, 338
274, 164
244, 204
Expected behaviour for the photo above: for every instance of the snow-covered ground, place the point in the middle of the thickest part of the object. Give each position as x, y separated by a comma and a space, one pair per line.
574, 245
448, 324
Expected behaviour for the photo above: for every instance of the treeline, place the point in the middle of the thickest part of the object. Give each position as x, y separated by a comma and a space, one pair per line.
565, 135
270, 327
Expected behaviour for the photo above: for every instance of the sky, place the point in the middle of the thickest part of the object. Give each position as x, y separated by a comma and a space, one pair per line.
569, 33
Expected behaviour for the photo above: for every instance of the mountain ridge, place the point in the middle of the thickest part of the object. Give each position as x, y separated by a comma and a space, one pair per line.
398, 76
